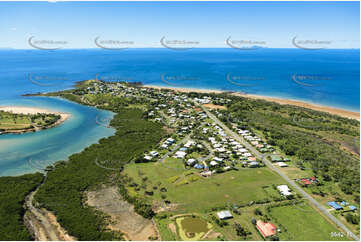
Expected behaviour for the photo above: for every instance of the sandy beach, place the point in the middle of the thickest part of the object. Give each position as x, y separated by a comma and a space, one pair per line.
33, 110
331, 110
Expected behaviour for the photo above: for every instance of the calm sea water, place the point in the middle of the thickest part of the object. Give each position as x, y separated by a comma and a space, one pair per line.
325, 77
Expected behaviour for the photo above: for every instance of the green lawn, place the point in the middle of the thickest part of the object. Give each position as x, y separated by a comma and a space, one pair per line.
11, 121
303, 223
199, 195
272, 192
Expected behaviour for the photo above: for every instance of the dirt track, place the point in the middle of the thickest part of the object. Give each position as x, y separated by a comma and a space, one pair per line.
42, 224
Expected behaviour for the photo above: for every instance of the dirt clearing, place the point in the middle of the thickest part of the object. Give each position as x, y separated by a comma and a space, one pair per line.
122, 215
213, 106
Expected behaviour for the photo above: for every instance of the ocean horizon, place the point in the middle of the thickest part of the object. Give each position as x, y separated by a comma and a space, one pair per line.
322, 77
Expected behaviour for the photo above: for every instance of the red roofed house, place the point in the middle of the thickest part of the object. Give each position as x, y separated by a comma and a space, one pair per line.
266, 229
306, 181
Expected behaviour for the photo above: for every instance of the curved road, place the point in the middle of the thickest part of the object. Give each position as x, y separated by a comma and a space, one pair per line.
291, 182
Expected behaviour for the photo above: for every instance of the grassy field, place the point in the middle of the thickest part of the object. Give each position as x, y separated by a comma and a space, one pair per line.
303, 223
205, 196
10, 121
193, 193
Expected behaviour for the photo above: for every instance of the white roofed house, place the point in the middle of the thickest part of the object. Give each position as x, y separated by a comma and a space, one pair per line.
180, 154
154, 153
284, 190
282, 164
170, 140
191, 161
226, 168
253, 164
148, 157
189, 143
243, 150
217, 145
218, 159
221, 149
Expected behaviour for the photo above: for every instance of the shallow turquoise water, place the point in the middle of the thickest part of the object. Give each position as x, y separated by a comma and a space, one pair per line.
330, 77
30, 152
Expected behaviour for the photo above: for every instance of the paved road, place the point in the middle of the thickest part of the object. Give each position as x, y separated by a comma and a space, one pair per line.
176, 147
291, 182
211, 152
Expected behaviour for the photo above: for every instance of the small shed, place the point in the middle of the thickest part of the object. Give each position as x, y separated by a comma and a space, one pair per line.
224, 214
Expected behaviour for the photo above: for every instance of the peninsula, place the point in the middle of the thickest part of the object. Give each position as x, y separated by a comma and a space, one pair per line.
17, 119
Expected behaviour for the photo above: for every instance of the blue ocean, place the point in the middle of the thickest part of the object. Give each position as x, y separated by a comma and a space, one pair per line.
325, 77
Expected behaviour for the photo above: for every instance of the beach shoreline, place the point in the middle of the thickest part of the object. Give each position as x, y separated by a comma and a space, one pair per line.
331, 110
34, 110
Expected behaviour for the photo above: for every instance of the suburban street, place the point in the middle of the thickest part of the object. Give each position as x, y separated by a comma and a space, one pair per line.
176, 147
290, 181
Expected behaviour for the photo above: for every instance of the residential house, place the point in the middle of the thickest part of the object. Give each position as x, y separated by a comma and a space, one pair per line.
284, 190
266, 229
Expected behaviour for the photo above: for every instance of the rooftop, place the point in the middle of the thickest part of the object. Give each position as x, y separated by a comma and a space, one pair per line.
266, 229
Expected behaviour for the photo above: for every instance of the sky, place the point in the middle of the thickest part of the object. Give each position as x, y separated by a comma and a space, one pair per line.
197, 24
